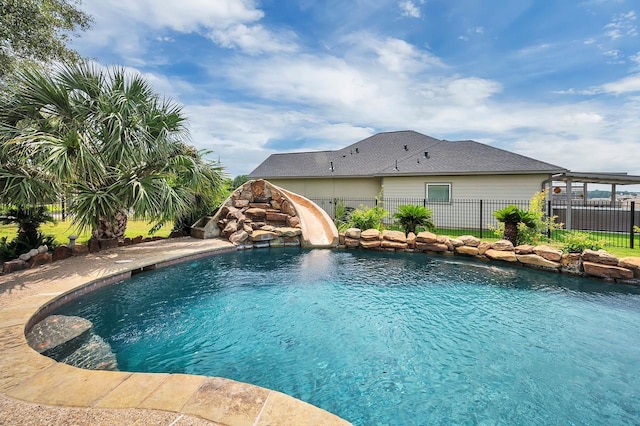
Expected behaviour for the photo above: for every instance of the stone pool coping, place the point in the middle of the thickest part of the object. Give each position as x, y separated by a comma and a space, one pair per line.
25, 375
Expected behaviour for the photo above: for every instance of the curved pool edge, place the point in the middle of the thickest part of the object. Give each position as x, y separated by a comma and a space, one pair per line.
26, 375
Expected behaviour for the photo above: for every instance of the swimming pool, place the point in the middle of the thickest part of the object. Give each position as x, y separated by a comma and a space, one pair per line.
386, 339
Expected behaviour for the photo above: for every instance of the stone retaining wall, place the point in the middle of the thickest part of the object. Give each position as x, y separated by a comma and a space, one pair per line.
598, 264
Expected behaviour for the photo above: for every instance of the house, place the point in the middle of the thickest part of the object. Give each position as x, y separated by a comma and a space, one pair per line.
408, 164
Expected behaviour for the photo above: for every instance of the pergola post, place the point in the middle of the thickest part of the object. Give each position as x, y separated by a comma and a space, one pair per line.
569, 190
613, 195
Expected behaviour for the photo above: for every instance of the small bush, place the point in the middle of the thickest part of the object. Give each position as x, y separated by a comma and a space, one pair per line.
577, 242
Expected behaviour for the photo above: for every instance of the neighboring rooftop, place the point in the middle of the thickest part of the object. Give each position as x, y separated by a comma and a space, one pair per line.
407, 153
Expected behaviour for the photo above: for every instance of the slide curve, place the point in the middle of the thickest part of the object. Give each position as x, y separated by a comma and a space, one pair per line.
318, 230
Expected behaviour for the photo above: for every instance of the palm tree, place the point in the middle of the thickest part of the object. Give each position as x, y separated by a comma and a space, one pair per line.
411, 216
512, 216
106, 141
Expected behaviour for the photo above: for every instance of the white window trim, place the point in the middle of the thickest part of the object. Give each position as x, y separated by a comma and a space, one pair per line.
426, 191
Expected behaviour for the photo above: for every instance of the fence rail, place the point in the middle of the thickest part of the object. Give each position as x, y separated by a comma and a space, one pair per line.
611, 224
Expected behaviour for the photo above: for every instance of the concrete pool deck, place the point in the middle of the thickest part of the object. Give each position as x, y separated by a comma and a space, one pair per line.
37, 389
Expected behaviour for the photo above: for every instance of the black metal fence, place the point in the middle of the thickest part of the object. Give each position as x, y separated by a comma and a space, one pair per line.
611, 224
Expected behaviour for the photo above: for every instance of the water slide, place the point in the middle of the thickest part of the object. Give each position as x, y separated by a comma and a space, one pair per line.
318, 230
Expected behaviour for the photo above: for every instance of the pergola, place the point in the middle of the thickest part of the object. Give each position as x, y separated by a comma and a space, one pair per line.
613, 179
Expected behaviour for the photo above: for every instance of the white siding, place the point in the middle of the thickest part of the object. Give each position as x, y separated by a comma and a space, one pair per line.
332, 188
489, 187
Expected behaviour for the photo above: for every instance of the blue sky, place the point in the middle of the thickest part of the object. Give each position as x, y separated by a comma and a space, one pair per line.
558, 81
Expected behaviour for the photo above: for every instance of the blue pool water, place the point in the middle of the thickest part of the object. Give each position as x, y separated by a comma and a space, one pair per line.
387, 339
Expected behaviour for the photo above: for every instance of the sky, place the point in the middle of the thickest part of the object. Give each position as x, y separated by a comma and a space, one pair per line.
558, 81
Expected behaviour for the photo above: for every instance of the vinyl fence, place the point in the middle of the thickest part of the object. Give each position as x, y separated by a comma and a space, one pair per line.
612, 224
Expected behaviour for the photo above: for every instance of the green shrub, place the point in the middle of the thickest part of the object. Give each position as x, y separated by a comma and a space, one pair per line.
531, 225
577, 242
23, 243
410, 216
342, 215
367, 218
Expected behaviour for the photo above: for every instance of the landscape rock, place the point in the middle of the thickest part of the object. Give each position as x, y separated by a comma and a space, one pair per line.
24, 257
426, 237
276, 217
572, 263
548, 253
396, 236
288, 232
256, 213
411, 240
351, 242
483, 247
469, 240
524, 249
434, 247
467, 250
14, 265
632, 263
370, 234
607, 271
241, 204
82, 249
599, 256
370, 243
43, 249
40, 259
353, 233
239, 237
393, 245
536, 260
507, 256
503, 245
33, 252
455, 242
260, 235
294, 221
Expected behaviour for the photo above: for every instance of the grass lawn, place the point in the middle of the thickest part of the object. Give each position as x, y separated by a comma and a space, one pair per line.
63, 228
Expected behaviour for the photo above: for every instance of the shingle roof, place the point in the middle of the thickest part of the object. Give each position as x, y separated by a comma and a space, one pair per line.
401, 153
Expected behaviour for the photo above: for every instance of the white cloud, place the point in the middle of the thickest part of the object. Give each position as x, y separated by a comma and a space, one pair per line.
622, 24
409, 9
254, 39
628, 84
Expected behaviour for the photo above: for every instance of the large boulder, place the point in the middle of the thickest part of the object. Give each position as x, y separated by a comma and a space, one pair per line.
600, 256
469, 240
536, 260
353, 233
370, 234
632, 263
503, 245
507, 256
426, 237
397, 236
607, 271
548, 253
467, 250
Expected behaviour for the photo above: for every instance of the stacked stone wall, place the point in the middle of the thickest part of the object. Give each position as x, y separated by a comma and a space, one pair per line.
257, 215
590, 263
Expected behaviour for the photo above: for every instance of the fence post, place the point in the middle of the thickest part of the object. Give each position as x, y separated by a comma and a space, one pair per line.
64, 215
480, 219
549, 214
633, 218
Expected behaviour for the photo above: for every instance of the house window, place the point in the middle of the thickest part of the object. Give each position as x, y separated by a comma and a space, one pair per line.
440, 192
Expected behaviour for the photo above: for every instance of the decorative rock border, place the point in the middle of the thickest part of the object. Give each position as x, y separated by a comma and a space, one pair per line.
590, 263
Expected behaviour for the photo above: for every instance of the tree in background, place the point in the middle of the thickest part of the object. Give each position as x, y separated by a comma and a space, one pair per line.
239, 181
105, 140
37, 31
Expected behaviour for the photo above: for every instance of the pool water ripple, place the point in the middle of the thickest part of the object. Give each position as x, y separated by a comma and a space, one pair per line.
386, 339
